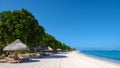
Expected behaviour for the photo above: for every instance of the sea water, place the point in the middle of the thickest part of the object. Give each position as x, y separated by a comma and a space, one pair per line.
113, 55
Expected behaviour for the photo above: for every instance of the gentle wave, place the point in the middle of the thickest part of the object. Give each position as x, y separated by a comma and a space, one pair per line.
108, 55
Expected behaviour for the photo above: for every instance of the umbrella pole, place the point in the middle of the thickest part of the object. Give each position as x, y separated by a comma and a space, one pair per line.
16, 55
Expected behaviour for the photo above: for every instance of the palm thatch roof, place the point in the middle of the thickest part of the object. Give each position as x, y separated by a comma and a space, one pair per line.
49, 48
58, 49
44, 48
36, 46
16, 45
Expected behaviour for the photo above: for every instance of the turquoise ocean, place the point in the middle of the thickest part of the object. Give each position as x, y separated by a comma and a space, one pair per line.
113, 55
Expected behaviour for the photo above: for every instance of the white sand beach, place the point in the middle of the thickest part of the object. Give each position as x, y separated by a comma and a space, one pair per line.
63, 60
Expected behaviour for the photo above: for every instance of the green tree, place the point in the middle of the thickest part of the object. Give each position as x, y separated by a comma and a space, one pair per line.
21, 24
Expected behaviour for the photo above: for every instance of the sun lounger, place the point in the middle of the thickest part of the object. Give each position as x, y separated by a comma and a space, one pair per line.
3, 61
33, 55
14, 61
24, 58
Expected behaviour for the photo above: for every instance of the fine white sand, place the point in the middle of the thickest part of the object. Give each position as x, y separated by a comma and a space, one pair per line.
63, 60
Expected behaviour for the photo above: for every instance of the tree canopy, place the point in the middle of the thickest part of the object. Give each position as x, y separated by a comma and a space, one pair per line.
21, 24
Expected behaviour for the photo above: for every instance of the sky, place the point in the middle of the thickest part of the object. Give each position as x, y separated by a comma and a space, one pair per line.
83, 24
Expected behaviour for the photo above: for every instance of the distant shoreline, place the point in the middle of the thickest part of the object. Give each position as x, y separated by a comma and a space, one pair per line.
112, 56
99, 58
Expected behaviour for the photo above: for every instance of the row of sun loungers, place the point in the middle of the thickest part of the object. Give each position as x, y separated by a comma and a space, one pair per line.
10, 61
22, 58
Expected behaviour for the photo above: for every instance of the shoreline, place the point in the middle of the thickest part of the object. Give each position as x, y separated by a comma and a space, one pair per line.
98, 58
71, 59
102, 57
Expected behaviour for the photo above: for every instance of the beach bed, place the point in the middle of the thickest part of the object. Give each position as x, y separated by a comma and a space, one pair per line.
14, 61
3, 61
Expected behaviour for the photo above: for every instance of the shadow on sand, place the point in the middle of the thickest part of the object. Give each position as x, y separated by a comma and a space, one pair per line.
62, 53
32, 61
54, 56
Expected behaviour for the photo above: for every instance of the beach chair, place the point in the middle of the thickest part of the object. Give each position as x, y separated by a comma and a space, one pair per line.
33, 55
12, 60
3, 61
24, 57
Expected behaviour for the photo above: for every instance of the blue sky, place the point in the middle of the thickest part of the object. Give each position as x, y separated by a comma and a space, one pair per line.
84, 24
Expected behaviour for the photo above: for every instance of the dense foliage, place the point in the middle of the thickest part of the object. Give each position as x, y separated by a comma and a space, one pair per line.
21, 24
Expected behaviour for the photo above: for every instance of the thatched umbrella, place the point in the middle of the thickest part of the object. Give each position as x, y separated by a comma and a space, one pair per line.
36, 47
16, 46
58, 49
44, 48
50, 49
